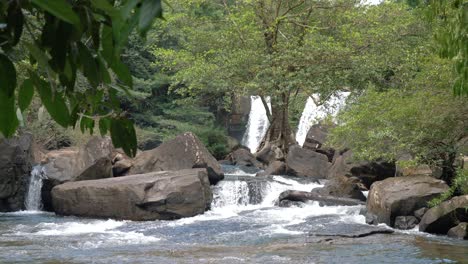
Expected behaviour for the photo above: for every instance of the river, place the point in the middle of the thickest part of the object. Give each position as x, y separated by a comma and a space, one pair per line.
244, 226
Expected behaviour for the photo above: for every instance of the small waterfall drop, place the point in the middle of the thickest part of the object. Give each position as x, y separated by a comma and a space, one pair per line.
33, 200
242, 191
313, 113
257, 125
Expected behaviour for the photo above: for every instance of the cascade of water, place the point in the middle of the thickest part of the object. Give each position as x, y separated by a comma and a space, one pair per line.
243, 191
313, 113
257, 125
33, 200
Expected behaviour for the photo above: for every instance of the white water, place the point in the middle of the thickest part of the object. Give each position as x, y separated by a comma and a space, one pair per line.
33, 200
313, 113
257, 125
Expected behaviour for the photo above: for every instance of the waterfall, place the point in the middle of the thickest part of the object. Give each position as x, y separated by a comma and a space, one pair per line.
257, 125
241, 191
33, 198
313, 113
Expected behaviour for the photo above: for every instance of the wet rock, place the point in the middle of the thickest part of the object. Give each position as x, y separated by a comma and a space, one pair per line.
460, 231
371, 219
185, 151
367, 172
420, 213
406, 222
269, 153
275, 168
300, 196
342, 187
440, 219
15, 168
353, 231
151, 196
243, 157
306, 163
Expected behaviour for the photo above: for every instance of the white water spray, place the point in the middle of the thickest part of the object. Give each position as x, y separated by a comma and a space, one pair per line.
313, 113
33, 200
257, 125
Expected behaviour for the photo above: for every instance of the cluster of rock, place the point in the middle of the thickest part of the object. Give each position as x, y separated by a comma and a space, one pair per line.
96, 180
398, 197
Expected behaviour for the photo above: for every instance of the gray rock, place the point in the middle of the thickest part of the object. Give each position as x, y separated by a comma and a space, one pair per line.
354, 231
420, 213
100, 169
371, 219
306, 163
275, 168
460, 231
121, 167
300, 196
65, 164
15, 169
398, 196
316, 137
406, 222
367, 172
243, 157
185, 151
342, 187
151, 196
440, 219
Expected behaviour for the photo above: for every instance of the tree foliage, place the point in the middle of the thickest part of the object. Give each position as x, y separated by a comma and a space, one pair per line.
419, 119
450, 18
66, 41
285, 48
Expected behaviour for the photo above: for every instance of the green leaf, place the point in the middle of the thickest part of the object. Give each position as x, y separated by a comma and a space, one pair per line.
104, 125
54, 103
122, 72
89, 66
38, 55
8, 120
25, 94
105, 6
150, 9
123, 135
7, 76
60, 9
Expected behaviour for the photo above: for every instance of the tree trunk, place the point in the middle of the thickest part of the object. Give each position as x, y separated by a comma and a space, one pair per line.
279, 133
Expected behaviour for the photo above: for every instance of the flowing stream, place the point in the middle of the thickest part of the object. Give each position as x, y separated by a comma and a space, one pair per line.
313, 113
257, 125
244, 226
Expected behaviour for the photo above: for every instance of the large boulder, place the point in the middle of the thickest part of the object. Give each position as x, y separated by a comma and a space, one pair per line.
65, 164
316, 137
342, 187
460, 231
15, 168
301, 196
275, 168
368, 172
401, 196
185, 151
89, 162
156, 195
441, 218
243, 157
306, 163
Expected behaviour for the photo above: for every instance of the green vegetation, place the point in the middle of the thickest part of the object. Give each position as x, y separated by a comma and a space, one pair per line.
66, 41
459, 187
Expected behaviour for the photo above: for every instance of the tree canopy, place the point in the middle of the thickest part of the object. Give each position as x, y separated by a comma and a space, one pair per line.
62, 42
